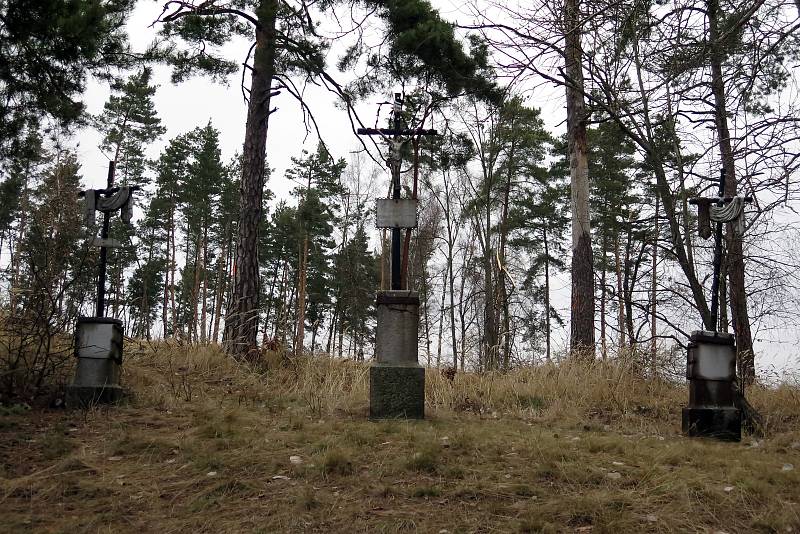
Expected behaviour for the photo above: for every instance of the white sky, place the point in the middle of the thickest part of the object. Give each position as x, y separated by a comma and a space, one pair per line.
193, 103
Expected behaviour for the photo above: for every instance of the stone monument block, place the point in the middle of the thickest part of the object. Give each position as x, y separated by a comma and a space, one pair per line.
98, 347
711, 370
396, 380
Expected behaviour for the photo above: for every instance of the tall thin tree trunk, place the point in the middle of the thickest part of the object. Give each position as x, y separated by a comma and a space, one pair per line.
195, 296
314, 329
723, 292
265, 337
653, 295
332, 328
221, 284
301, 298
441, 324
173, 265
426, 318
203, 316
737, 289
582, 309
620, 295
241, 325
165, 303
280, 312
450, 260
341, 338
603, 348
547, 293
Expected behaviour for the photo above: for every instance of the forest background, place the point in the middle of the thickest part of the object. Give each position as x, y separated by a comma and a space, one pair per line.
493, 296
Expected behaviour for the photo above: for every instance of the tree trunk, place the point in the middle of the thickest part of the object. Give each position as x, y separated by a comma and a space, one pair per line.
546, 293
738, 295
221, 284
450, 253
204, 302
603, 347
332, 328
504, 293
620, 296
280, 312
241, 324
441, 324
314, 329
426, 318
165, 303
301, 299
653, 294
173, 267
582, 308
723, 291
265, 337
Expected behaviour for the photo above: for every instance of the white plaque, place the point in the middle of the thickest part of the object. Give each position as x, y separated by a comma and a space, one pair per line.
107, 242
396, 213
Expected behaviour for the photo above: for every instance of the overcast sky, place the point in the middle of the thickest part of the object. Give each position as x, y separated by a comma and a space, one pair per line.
193, 103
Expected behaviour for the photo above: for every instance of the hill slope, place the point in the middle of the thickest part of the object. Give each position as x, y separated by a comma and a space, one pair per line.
205, 445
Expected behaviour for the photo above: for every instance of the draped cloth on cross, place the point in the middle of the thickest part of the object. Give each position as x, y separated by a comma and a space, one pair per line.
708, 211
119, 200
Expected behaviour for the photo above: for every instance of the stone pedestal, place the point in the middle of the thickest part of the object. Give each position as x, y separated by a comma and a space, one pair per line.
98, 347
711, 369
396, 380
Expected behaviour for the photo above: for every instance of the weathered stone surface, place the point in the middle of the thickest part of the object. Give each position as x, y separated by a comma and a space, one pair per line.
711, 369
396, 380
396, 338
711, 356
720, 423
98, 347
396, 391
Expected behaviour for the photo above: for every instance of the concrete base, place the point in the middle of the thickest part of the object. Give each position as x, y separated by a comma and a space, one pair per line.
86, 396
98, 347
396, 391
720, 423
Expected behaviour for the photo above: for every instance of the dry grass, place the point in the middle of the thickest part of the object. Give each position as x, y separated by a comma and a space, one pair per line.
204, 445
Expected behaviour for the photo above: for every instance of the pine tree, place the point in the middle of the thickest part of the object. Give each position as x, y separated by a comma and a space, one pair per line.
583, 306
54, 248
286, 44
357, 276
128, 123
48, 50
147, 280
171, 169
614, 210
319, 178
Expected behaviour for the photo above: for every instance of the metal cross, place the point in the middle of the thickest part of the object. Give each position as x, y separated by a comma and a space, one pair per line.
394, 136
107, 200
704, 220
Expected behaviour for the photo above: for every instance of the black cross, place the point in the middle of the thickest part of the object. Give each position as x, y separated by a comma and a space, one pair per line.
101, 268
394, 162
703, 204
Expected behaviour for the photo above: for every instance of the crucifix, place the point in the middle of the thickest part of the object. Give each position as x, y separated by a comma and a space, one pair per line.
720, 210
396, 380
711, 355
106, 201
396, 214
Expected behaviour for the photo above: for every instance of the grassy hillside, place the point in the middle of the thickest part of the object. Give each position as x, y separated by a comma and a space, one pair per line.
206, 445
